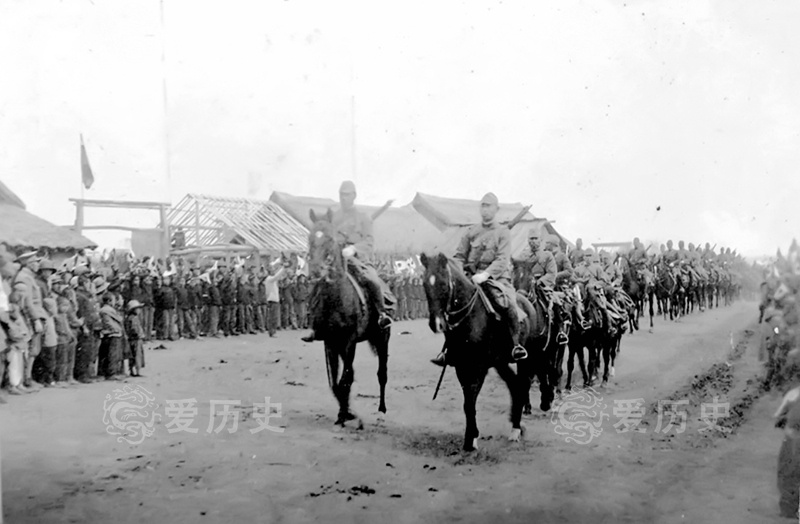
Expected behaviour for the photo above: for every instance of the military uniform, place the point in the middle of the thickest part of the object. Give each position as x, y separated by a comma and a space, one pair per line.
576, 256
485, 254
354, 233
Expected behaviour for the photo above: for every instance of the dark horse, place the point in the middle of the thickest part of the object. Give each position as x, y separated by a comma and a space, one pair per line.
547, 331
477, 340
666, 288
341, 316
640, 289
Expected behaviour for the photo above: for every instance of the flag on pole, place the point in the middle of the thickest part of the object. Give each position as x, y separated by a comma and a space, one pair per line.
86, 169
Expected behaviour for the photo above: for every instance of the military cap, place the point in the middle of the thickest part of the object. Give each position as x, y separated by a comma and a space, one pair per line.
25, 257
46, 265
534, 233
347, 187
553, 240
79, 270
489, 198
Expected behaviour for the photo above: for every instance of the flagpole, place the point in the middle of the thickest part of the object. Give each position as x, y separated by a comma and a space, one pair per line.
164, 95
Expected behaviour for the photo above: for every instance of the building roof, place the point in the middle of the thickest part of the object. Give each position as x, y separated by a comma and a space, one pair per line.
209, 220
397, 230
445, 212
21, 229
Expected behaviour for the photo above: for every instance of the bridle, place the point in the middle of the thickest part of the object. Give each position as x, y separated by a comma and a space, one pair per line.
460, 315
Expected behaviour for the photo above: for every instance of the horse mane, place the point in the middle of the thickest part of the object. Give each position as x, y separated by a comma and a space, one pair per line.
455, 267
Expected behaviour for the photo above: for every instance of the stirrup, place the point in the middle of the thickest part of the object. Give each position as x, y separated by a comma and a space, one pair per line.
519, 353
384, 321
440, 360
562, 338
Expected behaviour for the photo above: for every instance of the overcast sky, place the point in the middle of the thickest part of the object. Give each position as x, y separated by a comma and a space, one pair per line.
596, 113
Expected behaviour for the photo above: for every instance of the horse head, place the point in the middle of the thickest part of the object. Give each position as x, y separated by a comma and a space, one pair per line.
324, 254
437, 282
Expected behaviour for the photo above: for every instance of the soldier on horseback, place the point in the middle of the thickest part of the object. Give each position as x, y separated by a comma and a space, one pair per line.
639, 261
354, 232
543, 271
564, 284
485, 254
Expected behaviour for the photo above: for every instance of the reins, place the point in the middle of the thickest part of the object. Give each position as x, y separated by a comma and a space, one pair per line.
464, 312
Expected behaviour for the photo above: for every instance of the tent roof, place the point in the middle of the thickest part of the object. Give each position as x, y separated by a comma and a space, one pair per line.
445, 212
398, 230
261, 224
9, 197
21, 229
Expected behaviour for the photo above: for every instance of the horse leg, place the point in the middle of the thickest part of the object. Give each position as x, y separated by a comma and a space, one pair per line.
471, 382
382, 348
606, 360
570, 362
650, 300
518, 383
346, 383
593, 363
582, 365
557, 367
332, 365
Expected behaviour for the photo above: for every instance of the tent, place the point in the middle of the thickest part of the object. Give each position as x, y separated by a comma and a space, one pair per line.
20, 229
397, 230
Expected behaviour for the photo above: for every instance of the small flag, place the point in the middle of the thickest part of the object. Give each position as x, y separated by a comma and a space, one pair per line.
302, 267
86, 170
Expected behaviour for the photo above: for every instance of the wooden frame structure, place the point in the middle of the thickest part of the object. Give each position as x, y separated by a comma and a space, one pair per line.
161, 207
213, 222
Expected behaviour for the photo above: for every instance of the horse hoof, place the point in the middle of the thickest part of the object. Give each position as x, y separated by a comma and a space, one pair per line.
382, 408
471, 445
612, 371
515, 434
650, 330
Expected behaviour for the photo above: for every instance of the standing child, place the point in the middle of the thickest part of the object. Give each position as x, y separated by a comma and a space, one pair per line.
135, 332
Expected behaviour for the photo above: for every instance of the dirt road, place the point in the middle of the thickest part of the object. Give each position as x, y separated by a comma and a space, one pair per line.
61, 465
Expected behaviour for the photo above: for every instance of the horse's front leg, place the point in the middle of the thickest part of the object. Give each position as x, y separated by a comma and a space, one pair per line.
518, 384
570, 363
382, 348
606, 360
471, 383
346, 382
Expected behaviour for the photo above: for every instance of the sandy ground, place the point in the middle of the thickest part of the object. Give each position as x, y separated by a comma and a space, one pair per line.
61, 465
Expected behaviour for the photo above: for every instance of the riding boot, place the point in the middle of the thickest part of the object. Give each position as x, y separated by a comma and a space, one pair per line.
376, 296
441, 358
311, 337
